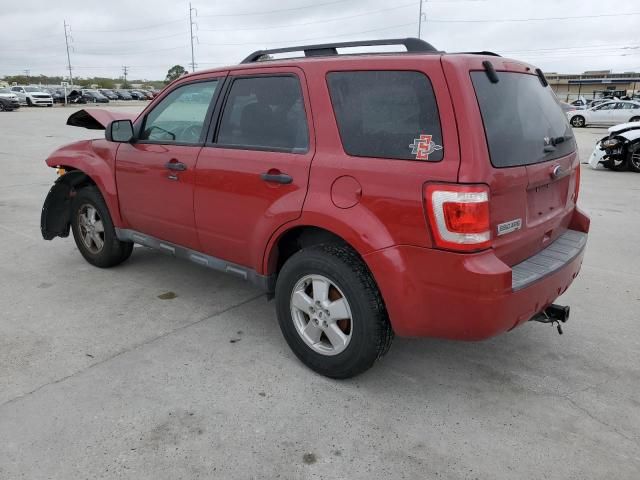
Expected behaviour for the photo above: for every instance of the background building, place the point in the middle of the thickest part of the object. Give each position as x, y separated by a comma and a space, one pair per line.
594, 84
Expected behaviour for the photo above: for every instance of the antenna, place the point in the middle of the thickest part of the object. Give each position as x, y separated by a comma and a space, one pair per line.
67, 34
191, 24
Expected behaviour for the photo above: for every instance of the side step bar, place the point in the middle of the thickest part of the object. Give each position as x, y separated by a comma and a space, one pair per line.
264, 282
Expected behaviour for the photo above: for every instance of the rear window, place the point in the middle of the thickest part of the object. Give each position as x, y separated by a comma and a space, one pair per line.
386, 114
523, 121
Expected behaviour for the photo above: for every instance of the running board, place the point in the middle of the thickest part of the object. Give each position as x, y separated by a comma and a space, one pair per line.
266, 283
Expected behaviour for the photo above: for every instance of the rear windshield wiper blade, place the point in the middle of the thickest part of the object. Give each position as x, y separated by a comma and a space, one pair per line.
557, 140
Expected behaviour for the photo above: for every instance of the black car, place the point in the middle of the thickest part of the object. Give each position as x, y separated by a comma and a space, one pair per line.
123, 95
8, 104
57, 94
94, 96
136, 95
110, 94
75, 96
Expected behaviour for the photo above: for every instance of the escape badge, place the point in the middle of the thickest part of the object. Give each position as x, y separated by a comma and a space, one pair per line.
422, 147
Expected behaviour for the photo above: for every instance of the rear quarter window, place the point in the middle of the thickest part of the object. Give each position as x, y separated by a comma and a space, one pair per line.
386, 114
523, 120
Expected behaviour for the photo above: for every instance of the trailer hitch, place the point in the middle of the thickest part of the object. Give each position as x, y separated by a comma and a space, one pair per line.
553, 314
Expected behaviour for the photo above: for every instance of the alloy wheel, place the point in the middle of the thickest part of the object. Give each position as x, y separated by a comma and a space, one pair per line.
91, 228
321, 314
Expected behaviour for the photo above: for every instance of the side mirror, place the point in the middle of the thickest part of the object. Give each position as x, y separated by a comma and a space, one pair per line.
120, 131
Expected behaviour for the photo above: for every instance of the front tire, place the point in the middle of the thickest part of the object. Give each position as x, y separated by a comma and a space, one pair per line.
93, 230
577, 121
29, 102
331, 312
635, 119
633, 160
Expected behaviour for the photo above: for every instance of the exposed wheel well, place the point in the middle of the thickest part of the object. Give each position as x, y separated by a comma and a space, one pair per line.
56, 212
295, 240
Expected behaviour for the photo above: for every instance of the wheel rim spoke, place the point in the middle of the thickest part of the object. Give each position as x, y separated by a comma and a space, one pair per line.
338, 310
336, 336
320, 290
312, 332
302, 301
88, 240
97, 240
99, 226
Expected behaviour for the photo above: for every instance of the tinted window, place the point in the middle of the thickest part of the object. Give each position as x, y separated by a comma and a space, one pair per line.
266, 113
180, 116
386, 114
523, 121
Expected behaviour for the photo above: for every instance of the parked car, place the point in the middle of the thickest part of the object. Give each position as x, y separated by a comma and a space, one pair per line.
56, 93
619, 150
607, 113
415, 218
94, 96
110, 94
123, 95
137, 95
8, 100
33, 96
76, 97
8, 105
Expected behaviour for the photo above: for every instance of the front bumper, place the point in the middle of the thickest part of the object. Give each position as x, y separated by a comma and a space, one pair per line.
434, 293
41, 101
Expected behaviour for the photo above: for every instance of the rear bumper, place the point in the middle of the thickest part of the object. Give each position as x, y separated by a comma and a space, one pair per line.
433, 293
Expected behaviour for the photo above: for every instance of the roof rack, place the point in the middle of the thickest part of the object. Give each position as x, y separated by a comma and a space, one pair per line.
413, 45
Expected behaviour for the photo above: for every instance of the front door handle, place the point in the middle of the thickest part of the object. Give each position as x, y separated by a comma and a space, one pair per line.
276, 177
175, 165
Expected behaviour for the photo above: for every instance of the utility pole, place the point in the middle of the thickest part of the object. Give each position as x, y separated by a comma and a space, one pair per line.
125, 70
27, 72
421, 16
191, 23
67, 34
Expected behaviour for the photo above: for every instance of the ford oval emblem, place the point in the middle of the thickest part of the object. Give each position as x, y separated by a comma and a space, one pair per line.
557, 172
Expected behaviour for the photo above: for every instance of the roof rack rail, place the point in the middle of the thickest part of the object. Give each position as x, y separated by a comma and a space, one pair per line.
412, 45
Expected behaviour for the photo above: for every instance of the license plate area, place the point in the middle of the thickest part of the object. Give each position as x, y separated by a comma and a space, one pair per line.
547, 201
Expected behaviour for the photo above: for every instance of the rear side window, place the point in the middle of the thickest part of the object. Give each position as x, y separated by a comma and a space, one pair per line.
523, 121
386, 114
265, 113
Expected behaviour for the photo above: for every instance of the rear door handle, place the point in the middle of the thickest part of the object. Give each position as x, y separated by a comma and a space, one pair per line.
276, 178
175, 165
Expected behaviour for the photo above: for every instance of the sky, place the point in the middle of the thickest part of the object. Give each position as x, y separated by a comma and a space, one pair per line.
150, 36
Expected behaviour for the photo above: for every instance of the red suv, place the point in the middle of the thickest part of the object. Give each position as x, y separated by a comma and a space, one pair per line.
417, 193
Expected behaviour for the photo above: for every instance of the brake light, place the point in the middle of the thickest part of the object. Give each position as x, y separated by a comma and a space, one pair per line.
577, 191
459, 216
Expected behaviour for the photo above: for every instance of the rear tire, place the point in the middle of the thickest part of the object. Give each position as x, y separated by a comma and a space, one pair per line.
93, 230
331, 312
577, 121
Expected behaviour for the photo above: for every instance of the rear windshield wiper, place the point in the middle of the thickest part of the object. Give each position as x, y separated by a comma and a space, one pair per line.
557, 140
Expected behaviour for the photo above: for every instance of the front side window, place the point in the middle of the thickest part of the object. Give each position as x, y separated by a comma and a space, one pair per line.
386, 114
265, 113
180, 116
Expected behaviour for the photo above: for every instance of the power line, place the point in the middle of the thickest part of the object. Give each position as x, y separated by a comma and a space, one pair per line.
311, 38
328, 20
267, 12
132, 29
505, 20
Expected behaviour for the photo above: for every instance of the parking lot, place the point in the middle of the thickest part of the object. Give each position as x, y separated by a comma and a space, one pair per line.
161, 369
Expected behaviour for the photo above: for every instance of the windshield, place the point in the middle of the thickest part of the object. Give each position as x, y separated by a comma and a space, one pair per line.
5, 90
523, 121
31, 89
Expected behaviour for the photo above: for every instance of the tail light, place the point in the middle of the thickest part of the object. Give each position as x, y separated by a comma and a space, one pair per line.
459, 216
577, 191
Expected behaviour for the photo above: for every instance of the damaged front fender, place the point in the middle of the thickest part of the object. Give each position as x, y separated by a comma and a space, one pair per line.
55, 219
